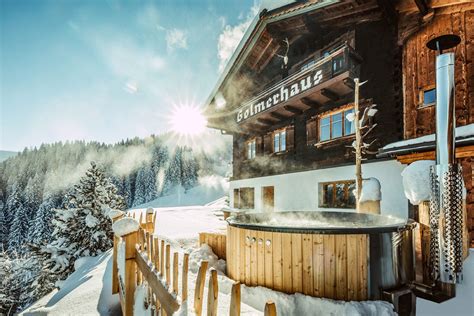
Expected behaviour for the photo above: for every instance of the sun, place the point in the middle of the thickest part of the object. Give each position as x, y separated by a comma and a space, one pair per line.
187, 120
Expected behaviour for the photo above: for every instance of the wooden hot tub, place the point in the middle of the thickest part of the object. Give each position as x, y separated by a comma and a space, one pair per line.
338, 255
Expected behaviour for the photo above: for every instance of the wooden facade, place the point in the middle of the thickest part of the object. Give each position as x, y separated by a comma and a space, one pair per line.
321, 265
416, 28
419, 70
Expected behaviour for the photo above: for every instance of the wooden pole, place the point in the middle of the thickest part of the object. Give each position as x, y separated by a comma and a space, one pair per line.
235, 298
270, 309
212, 294
168, 274
199, 290
184, 287
162, 258
156, 253
115, 286
175, 273
358, 143
130, 272
149, 220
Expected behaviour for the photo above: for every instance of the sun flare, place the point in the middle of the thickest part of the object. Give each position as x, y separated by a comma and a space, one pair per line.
187, 120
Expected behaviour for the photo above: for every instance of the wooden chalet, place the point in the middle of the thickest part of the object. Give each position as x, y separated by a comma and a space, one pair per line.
287, 90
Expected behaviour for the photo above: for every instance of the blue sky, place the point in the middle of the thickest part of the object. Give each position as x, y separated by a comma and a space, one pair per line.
105, 69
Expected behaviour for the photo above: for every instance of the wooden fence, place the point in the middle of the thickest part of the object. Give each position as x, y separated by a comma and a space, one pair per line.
148, 259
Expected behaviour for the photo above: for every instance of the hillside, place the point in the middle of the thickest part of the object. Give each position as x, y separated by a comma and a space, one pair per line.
5, 154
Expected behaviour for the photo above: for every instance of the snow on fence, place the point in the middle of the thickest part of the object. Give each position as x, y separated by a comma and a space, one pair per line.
148, 261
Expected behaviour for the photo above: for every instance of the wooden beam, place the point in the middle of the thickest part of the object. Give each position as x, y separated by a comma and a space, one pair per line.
461, 152
311, 103
388, 11
265, 121
349, 83
292, 109
260, 55
278, 116
330, 94
422, 6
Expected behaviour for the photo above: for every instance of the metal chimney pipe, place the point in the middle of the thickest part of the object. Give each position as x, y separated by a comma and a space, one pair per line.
445, 111
446, 203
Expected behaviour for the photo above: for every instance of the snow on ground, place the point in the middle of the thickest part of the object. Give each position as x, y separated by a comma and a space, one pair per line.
210, 189
466, 131
88, 291
462, 304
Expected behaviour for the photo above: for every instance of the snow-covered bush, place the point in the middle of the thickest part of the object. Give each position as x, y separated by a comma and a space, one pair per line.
416, 181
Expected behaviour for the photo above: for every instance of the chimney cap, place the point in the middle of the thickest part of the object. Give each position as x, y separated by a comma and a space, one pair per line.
443, 42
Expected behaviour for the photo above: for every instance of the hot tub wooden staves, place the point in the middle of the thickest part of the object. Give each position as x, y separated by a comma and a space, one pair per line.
321, 265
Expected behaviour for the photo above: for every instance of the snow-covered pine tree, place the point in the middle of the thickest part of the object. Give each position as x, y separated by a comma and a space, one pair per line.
140, 187
173, 172
189, 169
82, 228
42, 227
150, 184
18, 230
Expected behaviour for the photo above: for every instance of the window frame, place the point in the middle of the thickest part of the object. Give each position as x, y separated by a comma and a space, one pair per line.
244, 202
423, 91
251, 153
330, 115
280, 132
322, 194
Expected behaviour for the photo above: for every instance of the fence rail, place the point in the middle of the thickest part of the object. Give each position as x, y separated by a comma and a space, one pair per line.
147, 259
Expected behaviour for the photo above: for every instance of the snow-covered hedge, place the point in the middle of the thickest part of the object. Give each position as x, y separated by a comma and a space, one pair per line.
416, 181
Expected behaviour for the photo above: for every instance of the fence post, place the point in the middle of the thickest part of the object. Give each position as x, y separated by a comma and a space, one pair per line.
199, 290
235, 299
128, 227
115, 215
184, 295
167, 268
175, 273
162, 258
270, 309
212, 294
149, 220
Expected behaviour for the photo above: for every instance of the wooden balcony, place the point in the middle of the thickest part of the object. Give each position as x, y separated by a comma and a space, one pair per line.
330, 79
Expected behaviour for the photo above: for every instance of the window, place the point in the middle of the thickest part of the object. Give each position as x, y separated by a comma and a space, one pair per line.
337, 64
335, 125
429, 97
337, 194
279, 141
251, 148
244, 198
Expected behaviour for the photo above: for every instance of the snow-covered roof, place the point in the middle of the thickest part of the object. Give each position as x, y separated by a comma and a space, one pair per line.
258, 25
464, 135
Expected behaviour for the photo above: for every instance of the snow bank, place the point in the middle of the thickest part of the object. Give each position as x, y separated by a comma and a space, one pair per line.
125, 226
121, 259
114, 214
205, 253
416, 181
461, 304
87, 291
370, 190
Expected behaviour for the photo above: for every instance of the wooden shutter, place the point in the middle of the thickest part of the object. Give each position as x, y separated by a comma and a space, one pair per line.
259, 146
236, 198
311, 135
290, 138
268, 144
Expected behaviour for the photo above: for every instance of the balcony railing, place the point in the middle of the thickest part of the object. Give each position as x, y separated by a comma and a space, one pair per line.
342, 60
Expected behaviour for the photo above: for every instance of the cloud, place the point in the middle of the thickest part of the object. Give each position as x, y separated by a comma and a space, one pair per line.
176, 38
230, 37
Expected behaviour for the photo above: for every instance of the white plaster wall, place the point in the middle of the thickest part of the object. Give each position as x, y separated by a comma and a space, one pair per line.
299, 191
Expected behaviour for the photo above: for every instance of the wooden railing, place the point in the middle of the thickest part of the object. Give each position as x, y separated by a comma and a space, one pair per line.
148, 260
